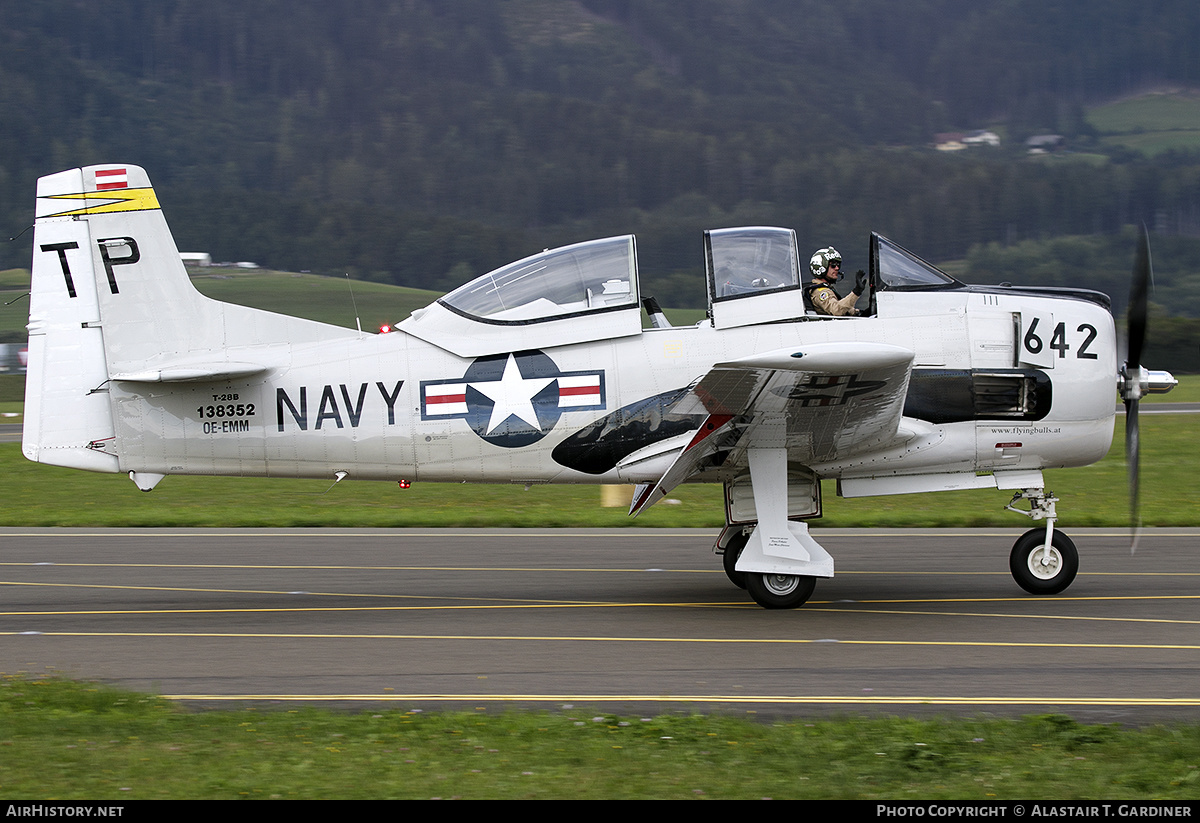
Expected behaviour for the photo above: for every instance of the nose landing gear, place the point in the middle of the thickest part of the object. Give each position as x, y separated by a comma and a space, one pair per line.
1043, 561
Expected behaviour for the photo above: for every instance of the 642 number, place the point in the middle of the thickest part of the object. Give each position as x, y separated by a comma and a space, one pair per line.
1034, 344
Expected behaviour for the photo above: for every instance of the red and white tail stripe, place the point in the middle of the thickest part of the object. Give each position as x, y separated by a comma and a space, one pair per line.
111, 179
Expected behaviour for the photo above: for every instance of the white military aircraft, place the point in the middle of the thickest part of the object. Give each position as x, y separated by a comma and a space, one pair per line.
541, 372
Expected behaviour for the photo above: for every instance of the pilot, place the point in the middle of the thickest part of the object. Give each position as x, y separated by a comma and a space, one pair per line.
826, 267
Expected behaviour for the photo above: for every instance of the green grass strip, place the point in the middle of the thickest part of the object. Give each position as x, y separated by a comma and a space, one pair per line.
38, 495
65, 740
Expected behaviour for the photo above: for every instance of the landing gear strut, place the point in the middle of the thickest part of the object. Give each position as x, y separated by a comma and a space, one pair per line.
1043, 561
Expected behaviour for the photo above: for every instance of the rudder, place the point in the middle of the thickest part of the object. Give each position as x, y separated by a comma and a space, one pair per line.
68, 418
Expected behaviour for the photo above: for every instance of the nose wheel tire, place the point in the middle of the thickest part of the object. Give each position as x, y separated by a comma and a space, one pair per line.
1039, 569
780, 591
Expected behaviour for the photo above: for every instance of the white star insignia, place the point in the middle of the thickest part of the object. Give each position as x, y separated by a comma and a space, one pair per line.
512, 395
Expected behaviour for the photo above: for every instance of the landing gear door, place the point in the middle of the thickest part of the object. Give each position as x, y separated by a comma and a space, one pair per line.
804, 497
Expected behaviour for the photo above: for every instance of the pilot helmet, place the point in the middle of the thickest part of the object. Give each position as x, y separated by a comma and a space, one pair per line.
822, 259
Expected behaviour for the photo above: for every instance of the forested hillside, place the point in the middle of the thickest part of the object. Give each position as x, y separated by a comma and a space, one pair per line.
419, 142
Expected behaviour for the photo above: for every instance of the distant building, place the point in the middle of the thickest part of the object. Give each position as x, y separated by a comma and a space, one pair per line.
957, 141
982, 138
949, 141
195, 258
1043, 143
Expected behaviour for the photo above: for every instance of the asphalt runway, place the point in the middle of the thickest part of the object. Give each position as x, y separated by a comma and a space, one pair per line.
629, 620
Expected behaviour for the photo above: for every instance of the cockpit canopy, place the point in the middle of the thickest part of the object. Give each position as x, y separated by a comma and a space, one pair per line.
753, 276
589, 291
750, 261
573, 294
594, 276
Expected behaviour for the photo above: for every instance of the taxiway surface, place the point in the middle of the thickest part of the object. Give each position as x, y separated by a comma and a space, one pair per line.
628, 619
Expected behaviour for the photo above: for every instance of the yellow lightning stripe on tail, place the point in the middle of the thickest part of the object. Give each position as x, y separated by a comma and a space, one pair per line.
116, 200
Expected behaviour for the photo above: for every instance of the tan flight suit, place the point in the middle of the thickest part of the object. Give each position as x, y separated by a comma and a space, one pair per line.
825, 301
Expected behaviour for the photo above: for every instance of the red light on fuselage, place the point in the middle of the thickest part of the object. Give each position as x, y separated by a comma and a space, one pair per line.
404, 484
385, 328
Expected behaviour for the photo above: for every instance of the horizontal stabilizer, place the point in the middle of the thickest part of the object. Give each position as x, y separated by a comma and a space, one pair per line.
192, 373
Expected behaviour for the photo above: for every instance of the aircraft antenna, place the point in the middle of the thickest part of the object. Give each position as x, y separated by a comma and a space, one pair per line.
354, 303
27, 228
338, 477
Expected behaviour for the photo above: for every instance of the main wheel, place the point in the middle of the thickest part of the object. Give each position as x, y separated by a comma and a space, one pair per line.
780, 591
1041, 570
733, 550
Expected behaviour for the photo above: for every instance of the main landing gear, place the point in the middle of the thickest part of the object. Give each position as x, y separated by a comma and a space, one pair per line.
1043, 561
771, 591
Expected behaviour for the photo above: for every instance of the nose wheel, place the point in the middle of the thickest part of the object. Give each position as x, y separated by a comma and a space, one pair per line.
1039, 568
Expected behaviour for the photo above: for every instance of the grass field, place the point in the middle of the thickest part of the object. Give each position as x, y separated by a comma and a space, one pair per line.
1152, 123
62, 740
37, 495
333, 300
326, 299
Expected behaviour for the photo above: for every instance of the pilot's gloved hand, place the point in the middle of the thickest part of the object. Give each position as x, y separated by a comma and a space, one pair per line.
860, 282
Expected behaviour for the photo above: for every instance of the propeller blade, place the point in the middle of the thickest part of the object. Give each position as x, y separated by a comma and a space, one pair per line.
1137, 319
1139, 290
1132, 466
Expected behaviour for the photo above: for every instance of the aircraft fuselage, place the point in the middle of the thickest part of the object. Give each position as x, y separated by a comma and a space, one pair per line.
393, 406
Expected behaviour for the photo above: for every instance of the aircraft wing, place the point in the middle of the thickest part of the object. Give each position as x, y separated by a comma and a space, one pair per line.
820, 402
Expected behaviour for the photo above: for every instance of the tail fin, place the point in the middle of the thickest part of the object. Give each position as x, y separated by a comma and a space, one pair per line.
68, 418
110, 300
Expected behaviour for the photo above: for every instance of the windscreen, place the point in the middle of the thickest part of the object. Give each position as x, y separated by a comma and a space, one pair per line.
898, 268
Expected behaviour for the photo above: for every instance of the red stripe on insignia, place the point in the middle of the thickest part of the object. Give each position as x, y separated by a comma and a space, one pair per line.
431, 399
577, 390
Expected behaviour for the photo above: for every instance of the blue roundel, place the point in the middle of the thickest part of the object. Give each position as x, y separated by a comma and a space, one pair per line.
512, 400
512, 409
